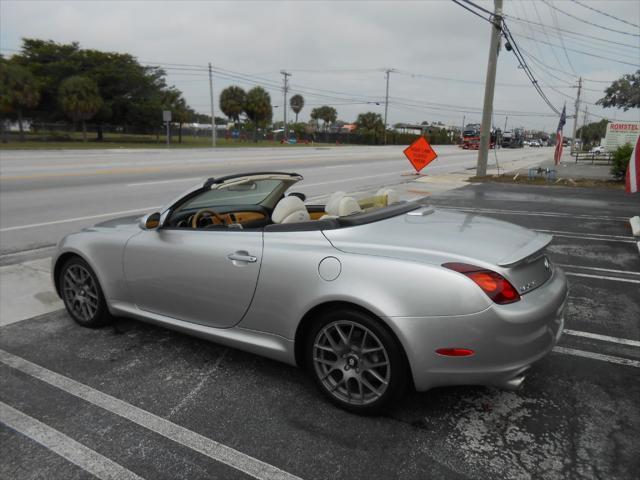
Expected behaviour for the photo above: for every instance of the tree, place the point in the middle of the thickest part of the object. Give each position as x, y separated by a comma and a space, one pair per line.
297, 104
329, 115
80, 100
232, 102
623, 93
258, 108
18, 91
593, 132
370, 122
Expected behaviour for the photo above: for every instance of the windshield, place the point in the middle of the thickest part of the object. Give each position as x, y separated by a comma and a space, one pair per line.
249, 193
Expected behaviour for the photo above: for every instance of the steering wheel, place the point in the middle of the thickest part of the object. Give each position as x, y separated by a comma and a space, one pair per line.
197, 216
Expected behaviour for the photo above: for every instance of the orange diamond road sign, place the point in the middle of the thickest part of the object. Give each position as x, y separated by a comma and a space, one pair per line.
420, 154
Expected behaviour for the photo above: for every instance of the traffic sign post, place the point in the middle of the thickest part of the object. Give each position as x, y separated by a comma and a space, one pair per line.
166, 117
420, 154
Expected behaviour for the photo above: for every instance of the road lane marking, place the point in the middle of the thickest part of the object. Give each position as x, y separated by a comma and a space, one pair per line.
604, 338
597, 356
303, 185
159, 182
598, 269
89, 460
196, 442
602, 277
530, 213
77, 219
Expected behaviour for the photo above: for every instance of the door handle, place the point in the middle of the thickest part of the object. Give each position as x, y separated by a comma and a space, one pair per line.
242, 256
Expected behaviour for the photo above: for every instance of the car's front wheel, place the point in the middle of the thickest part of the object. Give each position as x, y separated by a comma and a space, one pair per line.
357, 363
81, 293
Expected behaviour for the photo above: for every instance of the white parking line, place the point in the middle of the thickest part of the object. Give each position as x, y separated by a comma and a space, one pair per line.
602, 277
196, 442
604, 338
584, 237
77, 219
595, 235
597, 356
159, 182
599, 269
530, 213
76, 453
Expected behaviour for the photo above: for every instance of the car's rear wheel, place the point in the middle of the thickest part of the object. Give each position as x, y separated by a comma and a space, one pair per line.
356, 362
82, 295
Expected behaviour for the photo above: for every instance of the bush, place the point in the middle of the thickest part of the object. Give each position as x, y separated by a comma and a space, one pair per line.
620, 158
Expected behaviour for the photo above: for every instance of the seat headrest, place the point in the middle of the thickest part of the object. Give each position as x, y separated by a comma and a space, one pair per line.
332, 204
388, 196
290, 210
348, 206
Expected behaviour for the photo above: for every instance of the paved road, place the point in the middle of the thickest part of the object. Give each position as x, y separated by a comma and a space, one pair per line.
44, 195
146, 402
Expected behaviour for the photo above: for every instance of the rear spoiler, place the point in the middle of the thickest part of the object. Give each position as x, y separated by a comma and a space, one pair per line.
534, 246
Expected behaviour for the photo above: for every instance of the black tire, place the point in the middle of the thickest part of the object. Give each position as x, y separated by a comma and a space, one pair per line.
352, 374
83, 297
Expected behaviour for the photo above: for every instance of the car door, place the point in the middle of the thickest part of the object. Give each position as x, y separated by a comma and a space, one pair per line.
201, 276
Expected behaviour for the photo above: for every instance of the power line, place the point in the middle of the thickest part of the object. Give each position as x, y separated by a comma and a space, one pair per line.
590, 23
564, 48
605, 14
615, 60
563, 30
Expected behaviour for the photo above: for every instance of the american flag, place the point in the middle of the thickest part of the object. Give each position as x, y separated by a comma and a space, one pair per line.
632, 184
563, 119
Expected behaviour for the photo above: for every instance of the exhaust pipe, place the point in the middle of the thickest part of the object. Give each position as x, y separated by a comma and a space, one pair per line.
515, 383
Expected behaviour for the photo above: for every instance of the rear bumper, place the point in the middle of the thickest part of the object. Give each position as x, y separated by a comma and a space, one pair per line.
506, 339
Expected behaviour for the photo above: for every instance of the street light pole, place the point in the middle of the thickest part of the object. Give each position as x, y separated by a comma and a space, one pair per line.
286, 87
213, 117
489, 88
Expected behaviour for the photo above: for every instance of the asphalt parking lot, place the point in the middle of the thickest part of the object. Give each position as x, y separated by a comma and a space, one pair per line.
147, 402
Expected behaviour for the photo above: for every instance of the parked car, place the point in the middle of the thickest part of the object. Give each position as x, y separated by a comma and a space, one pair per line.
599, 150
370, 298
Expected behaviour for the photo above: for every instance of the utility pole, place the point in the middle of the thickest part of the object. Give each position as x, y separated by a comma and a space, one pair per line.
464, 117
489, 88
286, 87
584, 123
505, 123
575, 119
213, 117
386, 104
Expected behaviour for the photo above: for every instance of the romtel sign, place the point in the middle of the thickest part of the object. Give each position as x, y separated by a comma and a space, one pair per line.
619, 133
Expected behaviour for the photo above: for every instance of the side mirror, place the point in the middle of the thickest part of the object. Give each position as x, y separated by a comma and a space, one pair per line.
150, 221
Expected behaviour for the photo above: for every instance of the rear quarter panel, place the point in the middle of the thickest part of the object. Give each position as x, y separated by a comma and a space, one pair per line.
290, 285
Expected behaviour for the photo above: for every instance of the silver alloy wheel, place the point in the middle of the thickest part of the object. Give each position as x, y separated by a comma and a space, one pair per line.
351, 362
80, 292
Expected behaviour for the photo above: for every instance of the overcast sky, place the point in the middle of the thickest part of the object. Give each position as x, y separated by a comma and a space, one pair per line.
337, 51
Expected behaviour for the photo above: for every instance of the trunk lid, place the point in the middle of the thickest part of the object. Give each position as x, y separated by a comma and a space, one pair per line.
439, 236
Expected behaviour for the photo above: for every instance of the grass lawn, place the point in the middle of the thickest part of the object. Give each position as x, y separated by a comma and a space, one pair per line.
74, 141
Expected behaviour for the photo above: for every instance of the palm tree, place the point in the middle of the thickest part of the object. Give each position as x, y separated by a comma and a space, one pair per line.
297, 104
329, 115
258, 108
18, 91
80, 100
232, 100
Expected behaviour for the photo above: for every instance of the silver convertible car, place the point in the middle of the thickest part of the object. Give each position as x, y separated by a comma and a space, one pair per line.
371, 296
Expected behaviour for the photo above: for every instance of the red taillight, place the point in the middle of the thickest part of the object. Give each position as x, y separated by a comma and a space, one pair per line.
455, 352
493, 284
